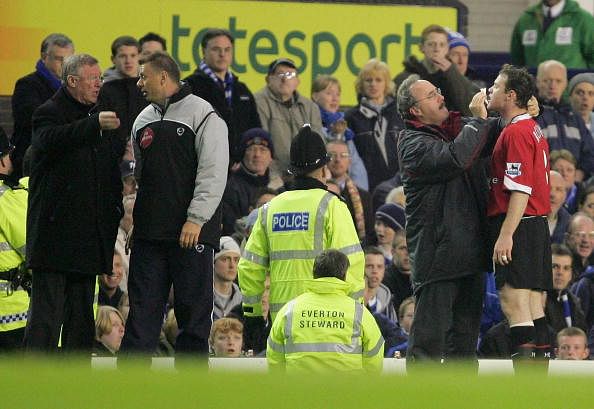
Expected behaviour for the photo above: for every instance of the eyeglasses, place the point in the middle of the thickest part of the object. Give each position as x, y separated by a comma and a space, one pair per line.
431, 95
91, 79
342, 155
287, 75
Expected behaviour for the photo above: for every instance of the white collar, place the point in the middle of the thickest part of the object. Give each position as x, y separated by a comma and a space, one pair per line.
520, 117
555, 10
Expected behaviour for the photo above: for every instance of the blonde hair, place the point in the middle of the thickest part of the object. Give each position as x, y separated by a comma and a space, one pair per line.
375, 66
555, 155
322, 81
103, 324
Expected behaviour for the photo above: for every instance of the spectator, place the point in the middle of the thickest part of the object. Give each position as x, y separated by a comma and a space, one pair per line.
558, 29
377, 296
68, 245
325, 91
125, 53
564, 162
283, 110
581, 96
214, 81
380, 193
181, 155
389, 219
253, 174
562, 307
150, 43
459, 54
110, 292
226, 293
558, 218
122, 245
120, 93
34, 89
128, 179
375, 122
563, 128
580, 240
573, 344
439, 70
109, 331
406, 314
586, 204
356, 197
331, 331
397, 277
226, 338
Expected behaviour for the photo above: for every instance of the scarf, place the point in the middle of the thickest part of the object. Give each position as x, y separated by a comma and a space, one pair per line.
226, 85
357, 207
328, 118
42, 70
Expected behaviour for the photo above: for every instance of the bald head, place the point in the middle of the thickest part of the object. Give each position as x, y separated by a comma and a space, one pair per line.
551, 80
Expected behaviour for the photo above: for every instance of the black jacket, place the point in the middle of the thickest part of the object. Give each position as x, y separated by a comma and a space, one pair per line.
554, 311
446, 190
75, 190
399, 284
29, 93
362, 120
123, 97
240, 192
239, 117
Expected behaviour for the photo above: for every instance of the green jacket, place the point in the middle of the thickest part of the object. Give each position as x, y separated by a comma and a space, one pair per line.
569, 39
325, 330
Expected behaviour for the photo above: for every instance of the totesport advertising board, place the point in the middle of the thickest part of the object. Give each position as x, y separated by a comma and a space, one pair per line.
322, 38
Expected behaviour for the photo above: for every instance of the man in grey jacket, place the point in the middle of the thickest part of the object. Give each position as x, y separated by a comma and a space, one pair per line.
182, 156
283, 111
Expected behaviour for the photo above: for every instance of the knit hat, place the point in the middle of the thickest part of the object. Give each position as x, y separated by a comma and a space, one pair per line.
227, 245
256, 136
308, 152
280, 61
392, 215
5, 146
583, 77
456, 39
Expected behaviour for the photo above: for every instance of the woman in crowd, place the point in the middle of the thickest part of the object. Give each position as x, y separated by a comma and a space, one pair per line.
325, 91
376, 122
109, 331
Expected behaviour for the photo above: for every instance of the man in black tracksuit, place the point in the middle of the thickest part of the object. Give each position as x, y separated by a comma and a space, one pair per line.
446, 191
230, 97
181, 162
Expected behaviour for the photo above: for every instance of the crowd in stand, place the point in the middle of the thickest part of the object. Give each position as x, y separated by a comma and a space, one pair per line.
364, 171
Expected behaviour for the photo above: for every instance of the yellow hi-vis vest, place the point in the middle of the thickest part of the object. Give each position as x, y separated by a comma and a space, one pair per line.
291, 230
325, 330
14, 303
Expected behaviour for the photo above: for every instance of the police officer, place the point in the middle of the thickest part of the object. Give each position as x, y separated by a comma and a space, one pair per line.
324, 329
14, 302
294, 228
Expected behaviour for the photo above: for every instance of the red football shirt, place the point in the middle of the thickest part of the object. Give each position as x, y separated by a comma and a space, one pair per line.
520, 162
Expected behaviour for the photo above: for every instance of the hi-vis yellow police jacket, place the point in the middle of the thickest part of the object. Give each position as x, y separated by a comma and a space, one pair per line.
325, 330
14, 304
291, 230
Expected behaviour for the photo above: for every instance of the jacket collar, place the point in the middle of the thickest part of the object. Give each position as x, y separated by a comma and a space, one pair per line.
184, 91
329, 285
307, 183
448, 130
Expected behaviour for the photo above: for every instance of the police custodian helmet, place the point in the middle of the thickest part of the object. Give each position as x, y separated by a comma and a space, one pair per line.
308, 152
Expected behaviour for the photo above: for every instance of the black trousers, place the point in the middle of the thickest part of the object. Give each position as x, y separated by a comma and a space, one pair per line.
154, 266
61, 301
447, 320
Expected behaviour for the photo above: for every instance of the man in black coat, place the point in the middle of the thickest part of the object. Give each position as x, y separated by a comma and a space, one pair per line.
214, 82
75, 204
34, 89
446, 191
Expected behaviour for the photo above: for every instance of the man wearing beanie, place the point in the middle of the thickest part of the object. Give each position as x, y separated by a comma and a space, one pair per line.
245, 184
581, 96
389, 219
294, 228
459, 55
226, 293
